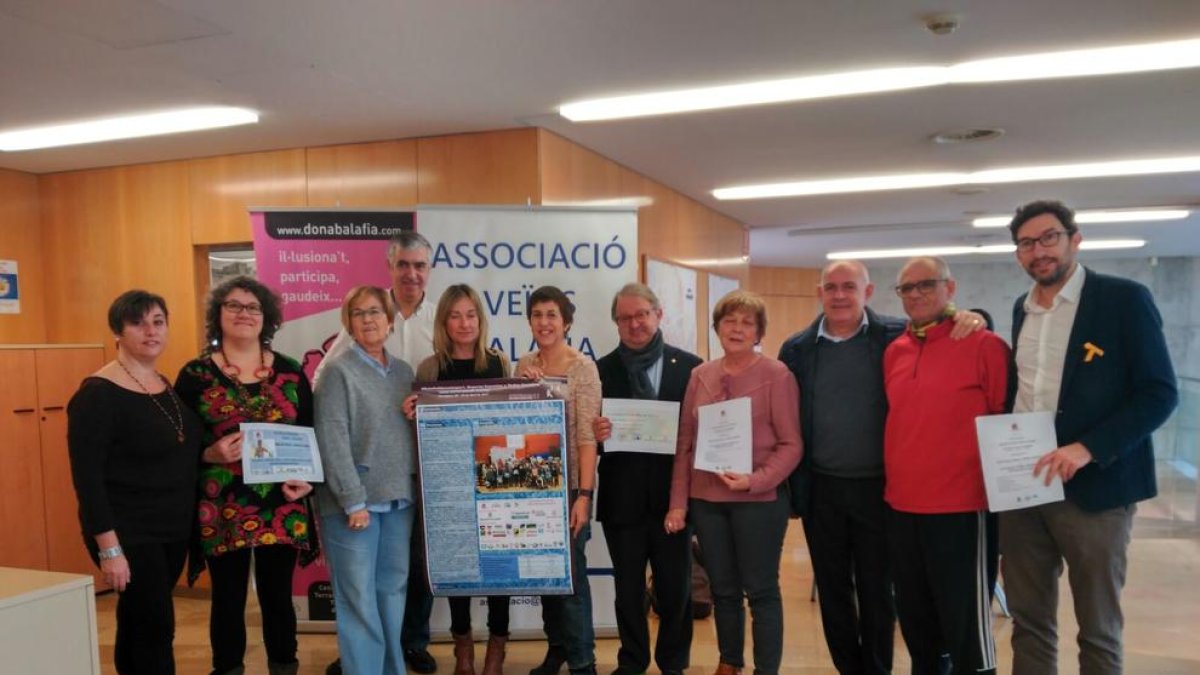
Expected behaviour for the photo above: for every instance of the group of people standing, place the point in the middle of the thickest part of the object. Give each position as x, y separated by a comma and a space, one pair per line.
889, 481
890, 487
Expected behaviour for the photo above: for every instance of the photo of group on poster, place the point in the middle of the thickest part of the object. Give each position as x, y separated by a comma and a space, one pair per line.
528, 462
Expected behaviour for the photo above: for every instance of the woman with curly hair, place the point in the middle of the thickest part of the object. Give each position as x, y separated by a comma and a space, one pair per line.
237, 379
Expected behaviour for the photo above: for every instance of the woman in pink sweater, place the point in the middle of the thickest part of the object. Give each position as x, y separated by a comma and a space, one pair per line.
741, 518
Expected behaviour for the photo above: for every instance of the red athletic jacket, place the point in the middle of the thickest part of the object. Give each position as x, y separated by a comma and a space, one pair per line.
936, 387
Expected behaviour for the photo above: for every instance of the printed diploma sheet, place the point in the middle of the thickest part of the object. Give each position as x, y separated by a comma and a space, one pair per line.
274, 453
723, 438
642, 426
1009, 447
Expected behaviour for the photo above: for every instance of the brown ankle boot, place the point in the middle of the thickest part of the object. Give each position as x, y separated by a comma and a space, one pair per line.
726, 669
493, 661
464, 655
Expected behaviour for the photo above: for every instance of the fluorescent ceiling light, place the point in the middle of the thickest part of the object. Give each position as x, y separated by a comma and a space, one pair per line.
133, 126
1099, 216
638, 201
1136, 167
754, 93
1076, 63
1081, 62
984, 249
714, 262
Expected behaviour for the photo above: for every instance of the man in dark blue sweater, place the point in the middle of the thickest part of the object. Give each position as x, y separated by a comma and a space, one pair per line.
838, 488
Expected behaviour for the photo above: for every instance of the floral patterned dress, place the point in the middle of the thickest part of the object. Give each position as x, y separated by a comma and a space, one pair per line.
233, 515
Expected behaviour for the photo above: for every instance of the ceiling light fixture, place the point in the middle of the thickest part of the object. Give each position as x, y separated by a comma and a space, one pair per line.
1125, 167
132, 126
1076, 63
754, 93
1100, 216
983, 249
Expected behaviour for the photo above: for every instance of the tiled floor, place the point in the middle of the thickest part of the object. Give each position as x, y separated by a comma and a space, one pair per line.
1162, 611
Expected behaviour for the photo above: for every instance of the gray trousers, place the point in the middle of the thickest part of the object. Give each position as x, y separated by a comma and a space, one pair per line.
742, 543
1035, 543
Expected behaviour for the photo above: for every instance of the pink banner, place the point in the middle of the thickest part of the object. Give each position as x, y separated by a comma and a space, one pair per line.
312, 258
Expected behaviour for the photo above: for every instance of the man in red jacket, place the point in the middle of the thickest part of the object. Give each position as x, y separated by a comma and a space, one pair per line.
941, 540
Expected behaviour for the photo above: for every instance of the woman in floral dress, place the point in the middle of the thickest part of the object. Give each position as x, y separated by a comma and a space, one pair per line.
240, 379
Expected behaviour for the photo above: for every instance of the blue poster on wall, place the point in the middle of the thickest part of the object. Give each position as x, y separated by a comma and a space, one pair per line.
10, 291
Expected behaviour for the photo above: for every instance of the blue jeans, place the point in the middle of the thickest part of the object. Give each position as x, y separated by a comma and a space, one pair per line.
370, 581
567, 619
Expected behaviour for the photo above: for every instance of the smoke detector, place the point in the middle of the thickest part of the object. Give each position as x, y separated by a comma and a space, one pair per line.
941, 24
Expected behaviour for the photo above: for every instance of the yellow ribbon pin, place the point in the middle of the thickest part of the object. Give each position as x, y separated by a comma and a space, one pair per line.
1092, 352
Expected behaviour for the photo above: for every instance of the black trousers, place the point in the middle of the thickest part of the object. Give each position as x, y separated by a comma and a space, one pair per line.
497, 616
944, 567
631, 547
273, 567
418, 606
146, 610
847, 540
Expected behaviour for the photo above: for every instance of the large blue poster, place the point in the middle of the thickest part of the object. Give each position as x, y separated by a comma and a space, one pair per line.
493, 467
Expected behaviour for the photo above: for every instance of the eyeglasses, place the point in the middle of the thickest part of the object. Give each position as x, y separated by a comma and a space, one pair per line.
1047, 239
924, 287
363, 314
235, 307
640, 316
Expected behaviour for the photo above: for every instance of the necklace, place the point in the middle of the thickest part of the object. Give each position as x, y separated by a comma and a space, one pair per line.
258, 407
176, 424
234, 372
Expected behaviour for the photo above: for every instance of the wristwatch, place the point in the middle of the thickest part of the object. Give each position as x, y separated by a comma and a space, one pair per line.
583, 492
110, 553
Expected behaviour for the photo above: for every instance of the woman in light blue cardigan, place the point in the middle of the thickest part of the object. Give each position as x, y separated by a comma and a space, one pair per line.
366, 507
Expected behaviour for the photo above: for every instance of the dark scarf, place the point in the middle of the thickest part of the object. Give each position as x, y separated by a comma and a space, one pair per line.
638, 362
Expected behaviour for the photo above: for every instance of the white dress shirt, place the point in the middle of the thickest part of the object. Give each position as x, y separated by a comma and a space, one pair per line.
1042, 346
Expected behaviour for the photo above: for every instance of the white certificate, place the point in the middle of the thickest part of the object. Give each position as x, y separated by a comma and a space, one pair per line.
1009, 447
723, 439
642, 426
274, 453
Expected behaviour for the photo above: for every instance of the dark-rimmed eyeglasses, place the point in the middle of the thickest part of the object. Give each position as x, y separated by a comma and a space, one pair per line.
924, 287
640, 316
1046, 239
235, 307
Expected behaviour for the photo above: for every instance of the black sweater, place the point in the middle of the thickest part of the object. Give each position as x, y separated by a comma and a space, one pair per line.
130, 471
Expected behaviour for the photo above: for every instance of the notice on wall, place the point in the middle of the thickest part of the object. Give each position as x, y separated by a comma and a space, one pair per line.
493, 468
10, 291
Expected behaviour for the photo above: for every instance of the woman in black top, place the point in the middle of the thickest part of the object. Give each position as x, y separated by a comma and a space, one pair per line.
134, 451
460, 353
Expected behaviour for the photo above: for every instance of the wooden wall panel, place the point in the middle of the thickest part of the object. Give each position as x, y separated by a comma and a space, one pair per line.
363, 175
22, 514
113, 230
671, 226
572, 174
21, 240
786, 315
223, 188
791, 297
59, 372
494, 167
785, 281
